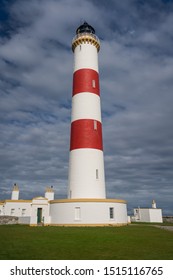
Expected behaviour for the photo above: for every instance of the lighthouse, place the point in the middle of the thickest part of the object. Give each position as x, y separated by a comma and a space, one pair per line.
86, 203
86, 164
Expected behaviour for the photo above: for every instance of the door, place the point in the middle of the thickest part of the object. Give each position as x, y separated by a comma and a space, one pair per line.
39, 215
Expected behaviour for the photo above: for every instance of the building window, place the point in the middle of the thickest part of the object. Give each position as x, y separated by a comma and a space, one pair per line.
95, 125
93, 83
77, 213
97, 174
23, 212
12, 211
111, 213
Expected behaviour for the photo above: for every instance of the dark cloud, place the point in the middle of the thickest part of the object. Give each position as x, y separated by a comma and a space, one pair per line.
136, 89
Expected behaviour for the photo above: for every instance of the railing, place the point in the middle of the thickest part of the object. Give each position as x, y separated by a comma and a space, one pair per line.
80, 35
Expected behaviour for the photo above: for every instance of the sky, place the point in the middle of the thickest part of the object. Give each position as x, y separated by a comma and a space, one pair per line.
136, 80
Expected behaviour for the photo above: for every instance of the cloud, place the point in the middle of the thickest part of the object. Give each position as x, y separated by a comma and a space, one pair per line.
135, 63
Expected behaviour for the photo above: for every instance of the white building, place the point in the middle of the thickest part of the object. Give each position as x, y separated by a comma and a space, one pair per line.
33, 212
47, 211
150, 215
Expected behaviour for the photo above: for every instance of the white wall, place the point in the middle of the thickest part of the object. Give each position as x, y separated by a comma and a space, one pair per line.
150, 215
87, 213
156, 216
69, 211
17, 208
1, 209
144, 215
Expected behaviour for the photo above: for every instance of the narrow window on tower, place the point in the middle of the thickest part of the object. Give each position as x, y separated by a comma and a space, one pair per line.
111, 213
97, 174
95, 125
93, 83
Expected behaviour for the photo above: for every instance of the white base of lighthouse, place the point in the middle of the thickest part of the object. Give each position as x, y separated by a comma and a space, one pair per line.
88, 212
86, 176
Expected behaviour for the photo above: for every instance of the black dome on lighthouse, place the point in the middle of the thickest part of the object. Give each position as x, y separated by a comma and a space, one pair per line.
85, 28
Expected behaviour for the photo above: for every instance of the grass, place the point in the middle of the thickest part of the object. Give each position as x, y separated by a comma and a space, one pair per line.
137, 242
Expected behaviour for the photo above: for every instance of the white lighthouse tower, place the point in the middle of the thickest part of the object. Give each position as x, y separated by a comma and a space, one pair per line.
86, 167
86, 203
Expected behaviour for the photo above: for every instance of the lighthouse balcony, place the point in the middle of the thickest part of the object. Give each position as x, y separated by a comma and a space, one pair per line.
85, 37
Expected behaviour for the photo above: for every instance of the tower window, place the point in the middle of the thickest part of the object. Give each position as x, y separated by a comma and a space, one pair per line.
97, 174
93, 83
111, 213
95, 125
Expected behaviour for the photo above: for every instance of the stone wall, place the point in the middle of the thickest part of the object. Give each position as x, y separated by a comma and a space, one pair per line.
8, 220
168, 219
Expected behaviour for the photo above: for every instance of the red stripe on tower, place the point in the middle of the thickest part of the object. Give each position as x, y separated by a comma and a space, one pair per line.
86, 134
86, 80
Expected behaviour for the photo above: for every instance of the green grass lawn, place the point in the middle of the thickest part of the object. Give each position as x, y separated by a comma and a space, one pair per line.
138, 242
